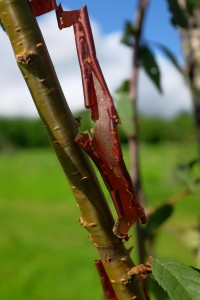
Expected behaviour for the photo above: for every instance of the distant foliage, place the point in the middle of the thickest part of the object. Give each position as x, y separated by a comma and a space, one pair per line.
22, 133
146, 49
178, 16
158, 130
29, 133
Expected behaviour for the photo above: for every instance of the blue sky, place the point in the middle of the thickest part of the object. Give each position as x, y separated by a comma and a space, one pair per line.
111, 15
107, 21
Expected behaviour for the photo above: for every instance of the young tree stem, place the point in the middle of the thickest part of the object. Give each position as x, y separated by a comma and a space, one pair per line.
133, 140
37, 69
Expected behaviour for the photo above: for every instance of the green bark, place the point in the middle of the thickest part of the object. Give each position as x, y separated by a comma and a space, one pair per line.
37, 69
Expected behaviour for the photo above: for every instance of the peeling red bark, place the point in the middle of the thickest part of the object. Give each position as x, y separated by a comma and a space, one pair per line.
41, 7
105, 282
103, 144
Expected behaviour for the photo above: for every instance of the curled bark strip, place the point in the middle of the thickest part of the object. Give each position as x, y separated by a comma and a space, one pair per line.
41, 7
141, 270
102, 145
105, 282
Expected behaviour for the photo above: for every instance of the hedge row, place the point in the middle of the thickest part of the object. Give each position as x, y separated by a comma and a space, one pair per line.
180, 128
26, 133
22, 133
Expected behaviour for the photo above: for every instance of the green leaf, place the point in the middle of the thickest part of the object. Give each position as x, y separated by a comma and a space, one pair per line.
150, 65
186, 175
191, 5
179, 17
178, 280
124, 87
156, 289
170, 56
156, 219
128, 36
196, 269
126, 112
1, 25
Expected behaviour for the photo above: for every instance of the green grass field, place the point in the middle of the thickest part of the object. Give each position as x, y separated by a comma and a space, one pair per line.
44, 252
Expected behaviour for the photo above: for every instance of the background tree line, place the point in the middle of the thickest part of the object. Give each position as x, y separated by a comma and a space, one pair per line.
28, 132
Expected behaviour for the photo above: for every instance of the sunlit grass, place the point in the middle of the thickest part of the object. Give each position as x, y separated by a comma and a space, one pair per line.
44, 252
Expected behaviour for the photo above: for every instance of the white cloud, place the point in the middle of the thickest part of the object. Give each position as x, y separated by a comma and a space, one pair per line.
175, 97
114, 59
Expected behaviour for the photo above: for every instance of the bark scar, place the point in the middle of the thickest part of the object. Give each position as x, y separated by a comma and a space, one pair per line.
141, 270
26, 58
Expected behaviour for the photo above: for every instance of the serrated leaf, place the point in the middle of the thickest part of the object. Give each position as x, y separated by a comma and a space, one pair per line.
156, 289
128, 35
178, 280
156, 219
125, 109
150, 65
170, 56
179, 17
196, 269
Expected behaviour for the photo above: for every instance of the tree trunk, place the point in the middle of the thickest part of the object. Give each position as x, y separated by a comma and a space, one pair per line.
191, 49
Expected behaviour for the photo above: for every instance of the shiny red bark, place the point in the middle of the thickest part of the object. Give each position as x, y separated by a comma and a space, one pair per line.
41, 7
105, 282
102, 145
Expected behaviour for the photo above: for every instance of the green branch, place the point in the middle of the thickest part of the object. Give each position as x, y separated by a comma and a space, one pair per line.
37, 69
